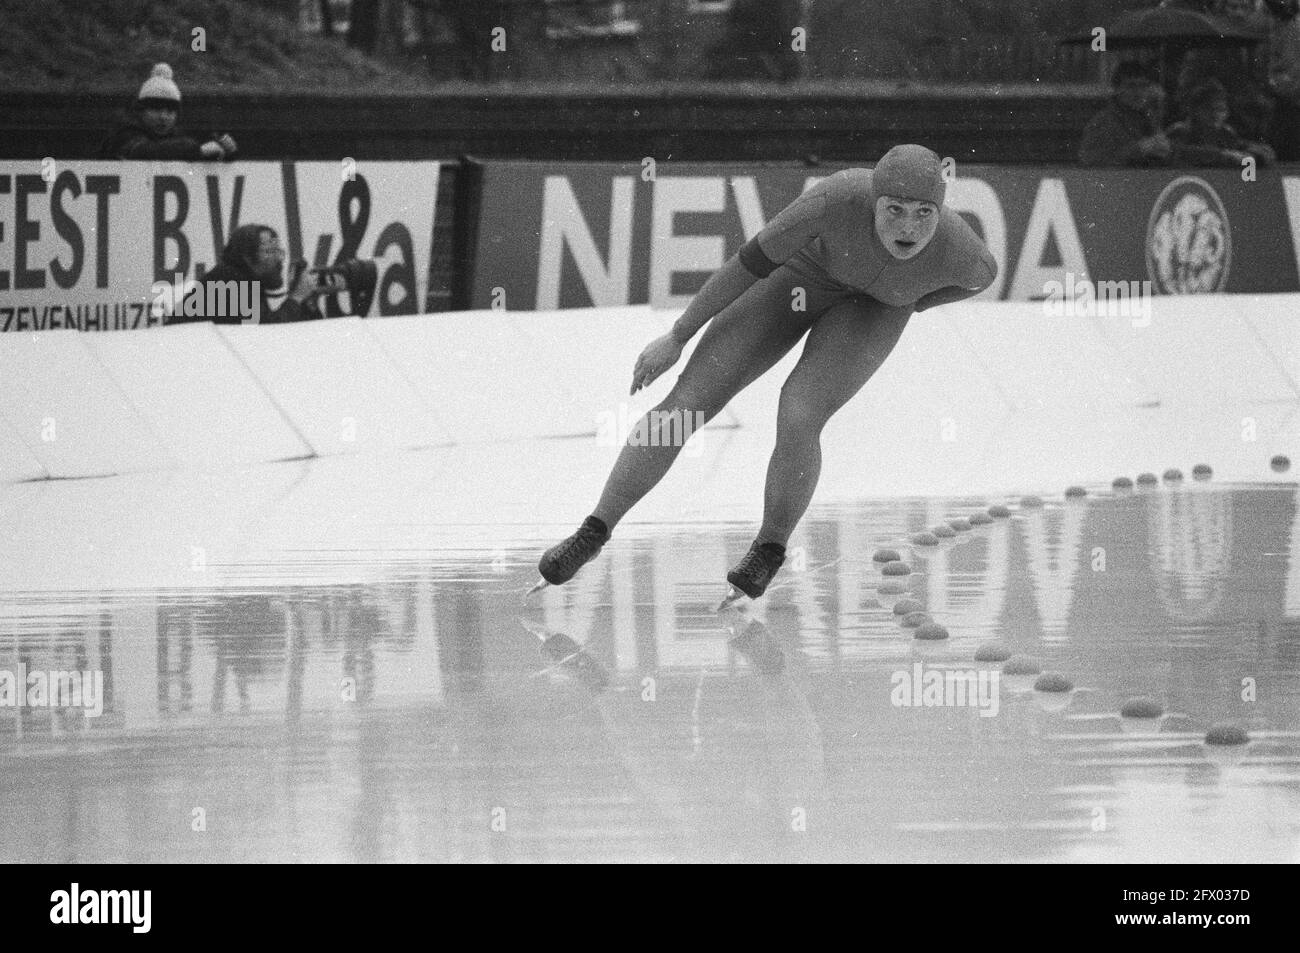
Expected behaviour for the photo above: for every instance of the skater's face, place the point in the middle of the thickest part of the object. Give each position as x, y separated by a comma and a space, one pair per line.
905, 226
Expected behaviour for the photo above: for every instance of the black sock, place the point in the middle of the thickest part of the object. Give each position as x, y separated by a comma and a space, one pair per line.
592, 522
775, 548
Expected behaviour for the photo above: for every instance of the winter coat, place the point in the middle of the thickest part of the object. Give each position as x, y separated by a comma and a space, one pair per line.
132, 140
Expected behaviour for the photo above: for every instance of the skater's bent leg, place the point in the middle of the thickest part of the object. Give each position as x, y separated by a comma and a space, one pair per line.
651, 449
846, 345
739, 346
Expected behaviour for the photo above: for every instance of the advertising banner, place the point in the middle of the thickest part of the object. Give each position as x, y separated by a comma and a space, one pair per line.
105, 245
581, 234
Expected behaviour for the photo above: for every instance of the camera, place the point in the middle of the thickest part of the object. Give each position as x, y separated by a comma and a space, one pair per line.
356, 276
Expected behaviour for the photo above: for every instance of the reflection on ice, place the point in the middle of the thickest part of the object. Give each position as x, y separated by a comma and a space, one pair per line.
370, 689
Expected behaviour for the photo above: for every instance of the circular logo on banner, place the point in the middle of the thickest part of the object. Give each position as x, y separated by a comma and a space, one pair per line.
1189, 240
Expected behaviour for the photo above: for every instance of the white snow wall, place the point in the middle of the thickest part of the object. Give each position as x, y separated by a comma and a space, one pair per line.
972, 391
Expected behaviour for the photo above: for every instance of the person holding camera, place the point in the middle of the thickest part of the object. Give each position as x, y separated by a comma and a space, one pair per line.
151, 131
252, 266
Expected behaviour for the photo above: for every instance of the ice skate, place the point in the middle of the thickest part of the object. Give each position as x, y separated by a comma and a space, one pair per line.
753, 574
562, 561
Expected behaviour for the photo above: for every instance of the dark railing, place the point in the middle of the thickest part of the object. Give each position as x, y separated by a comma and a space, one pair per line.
990, 124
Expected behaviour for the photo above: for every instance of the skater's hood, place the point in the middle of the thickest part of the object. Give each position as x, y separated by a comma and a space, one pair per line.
909, 172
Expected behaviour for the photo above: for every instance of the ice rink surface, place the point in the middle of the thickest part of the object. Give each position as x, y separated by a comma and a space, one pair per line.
331, 661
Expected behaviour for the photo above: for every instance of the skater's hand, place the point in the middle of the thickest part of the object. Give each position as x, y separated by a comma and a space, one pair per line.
659, 355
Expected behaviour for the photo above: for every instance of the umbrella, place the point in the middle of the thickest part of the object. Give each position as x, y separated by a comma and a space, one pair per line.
1159, 26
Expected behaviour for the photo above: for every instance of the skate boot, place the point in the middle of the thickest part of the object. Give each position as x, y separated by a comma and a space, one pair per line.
562, 561
753, 574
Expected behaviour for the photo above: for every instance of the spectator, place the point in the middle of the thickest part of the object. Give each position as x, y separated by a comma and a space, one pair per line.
151, 131
757, 42
470, 23
1205, 138
1127, 132
1242, 70
253, 263
1284, 77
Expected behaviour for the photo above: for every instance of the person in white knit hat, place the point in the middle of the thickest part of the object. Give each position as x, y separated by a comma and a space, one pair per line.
150, 132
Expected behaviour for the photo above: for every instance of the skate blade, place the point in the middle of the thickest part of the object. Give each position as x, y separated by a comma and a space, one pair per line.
538, 587
734, 595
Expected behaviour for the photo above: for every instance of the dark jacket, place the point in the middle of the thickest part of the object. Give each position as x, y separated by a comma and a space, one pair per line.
1111, 138
231, 282
132, 140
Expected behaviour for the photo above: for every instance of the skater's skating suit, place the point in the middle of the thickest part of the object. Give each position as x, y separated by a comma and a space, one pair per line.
857, 298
